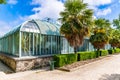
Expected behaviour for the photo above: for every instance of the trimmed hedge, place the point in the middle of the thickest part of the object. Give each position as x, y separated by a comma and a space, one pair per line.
113, 51
104, 52
117, 50
63, 59
91, 55
86, 55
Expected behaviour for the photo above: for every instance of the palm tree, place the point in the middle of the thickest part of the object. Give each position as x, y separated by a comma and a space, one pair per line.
100, 37
116, 23
2, 1
102, 23
76, 21
115, 39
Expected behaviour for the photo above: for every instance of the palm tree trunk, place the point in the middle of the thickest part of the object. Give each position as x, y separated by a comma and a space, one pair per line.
113, 48
98, 51
75, 49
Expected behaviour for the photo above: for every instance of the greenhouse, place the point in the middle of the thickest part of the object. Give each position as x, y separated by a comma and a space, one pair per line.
34, 38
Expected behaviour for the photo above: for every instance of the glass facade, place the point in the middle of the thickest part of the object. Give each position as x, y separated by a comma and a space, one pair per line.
10, 44
34, 38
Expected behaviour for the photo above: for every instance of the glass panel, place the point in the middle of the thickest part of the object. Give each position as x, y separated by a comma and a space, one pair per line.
36, 44
65, 47
42, 45
58, 45
16, 43
31, 43
54, 45
25, 44
47, 45
30, 27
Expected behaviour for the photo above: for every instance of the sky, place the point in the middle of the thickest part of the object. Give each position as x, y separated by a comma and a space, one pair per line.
17, 11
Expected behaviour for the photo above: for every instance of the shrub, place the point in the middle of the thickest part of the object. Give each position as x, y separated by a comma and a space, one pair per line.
104, 52
117, 50
98, 53
63, 59
86, 55
111, 51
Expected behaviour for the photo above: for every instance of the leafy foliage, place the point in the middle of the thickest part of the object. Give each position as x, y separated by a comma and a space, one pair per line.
116, 22
76, 20
115, 40
63, 59
86, 55
2, 1
100, 37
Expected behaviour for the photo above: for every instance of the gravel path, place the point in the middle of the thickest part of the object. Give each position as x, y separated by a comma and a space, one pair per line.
104, 69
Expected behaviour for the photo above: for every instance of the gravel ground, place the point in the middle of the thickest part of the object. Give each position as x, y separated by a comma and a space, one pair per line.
105, 69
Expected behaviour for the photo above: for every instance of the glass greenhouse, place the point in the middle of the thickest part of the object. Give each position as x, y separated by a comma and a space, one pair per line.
34, 38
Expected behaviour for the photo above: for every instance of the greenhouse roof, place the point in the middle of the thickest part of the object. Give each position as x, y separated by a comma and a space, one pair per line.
39, 26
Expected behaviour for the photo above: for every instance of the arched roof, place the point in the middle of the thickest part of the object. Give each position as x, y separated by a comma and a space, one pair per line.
37, 26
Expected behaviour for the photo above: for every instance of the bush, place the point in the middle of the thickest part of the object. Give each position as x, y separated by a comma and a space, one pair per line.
104, 52
111, 51
117, 50
86, 55
63, 59
101, 53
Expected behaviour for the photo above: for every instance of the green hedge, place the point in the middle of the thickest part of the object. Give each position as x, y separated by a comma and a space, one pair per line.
63, 59
86, 55
111, 51
104, 52
117, 50
91, 55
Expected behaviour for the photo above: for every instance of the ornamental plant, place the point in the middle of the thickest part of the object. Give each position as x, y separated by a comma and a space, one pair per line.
100, 37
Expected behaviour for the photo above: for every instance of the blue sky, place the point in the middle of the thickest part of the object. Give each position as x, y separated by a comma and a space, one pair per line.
17, 11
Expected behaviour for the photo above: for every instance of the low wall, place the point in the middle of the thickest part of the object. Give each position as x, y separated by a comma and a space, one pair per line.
8, 61
28, 63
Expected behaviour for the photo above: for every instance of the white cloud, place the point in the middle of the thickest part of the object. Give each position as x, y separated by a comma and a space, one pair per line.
47, 8
103, 12
4, 28
12, 2
93, 4
97, 2
8, 26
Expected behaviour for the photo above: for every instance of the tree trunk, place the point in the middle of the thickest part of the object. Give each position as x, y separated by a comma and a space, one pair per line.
98, 52
98, 49
113, 48
75, 50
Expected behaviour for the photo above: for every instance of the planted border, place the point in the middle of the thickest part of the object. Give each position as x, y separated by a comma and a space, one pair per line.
63, 59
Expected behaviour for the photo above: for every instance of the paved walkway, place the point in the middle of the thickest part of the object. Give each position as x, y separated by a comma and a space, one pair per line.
105, 69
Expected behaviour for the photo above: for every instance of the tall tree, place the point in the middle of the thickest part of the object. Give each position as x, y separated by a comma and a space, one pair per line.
100, 37
2, 1
116, 22
115, 39
76, 21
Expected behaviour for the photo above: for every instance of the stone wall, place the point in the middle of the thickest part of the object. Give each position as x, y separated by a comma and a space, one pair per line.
22, 64
28, 64
8, 61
